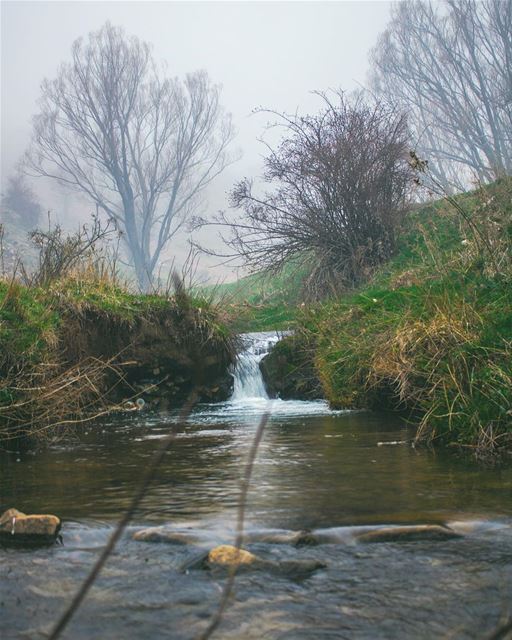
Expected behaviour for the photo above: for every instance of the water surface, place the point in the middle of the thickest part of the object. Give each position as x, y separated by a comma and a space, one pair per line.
333, 472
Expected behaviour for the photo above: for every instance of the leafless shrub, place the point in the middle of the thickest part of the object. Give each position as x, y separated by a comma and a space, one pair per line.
338, 188
59, 252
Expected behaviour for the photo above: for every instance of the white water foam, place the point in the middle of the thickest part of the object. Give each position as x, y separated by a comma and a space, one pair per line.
248, 380
250, 398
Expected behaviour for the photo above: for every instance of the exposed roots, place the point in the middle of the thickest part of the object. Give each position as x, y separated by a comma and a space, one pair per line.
48, 400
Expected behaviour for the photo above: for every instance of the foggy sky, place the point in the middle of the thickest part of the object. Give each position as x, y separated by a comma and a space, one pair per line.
270, 54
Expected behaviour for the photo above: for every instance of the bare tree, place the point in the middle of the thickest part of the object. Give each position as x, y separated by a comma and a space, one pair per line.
20, 206
141, 146
449, 65
338, 183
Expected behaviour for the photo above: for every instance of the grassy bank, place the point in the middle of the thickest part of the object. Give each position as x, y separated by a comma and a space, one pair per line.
81, 347
262, 302
431, 333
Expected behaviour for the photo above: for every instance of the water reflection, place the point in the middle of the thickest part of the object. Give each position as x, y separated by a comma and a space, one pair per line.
321, 469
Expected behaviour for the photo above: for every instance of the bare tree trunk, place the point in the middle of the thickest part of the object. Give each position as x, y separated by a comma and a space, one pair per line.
141, 146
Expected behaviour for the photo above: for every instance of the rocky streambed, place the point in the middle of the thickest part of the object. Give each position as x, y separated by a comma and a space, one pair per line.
350, 531
336, 589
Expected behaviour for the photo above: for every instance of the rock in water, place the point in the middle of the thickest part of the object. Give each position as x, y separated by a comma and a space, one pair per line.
227, 556
410, 533
18, 528
299, 569
164, 534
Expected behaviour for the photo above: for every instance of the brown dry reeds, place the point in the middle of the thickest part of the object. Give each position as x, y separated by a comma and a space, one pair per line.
395, 362
49, 399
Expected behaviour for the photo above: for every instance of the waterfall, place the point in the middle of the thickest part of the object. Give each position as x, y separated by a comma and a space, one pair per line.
248, 381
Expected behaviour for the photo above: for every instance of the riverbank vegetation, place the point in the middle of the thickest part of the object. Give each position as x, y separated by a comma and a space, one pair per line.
430, 334
80, 344
336, 186
406, 301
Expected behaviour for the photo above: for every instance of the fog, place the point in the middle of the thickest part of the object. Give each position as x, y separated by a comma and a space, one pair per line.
269, 54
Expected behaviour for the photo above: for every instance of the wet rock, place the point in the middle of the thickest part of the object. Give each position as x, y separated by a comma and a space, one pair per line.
288, 371
272, 536
17, 528
298, 569
152, 535
196, 561
409, 533
306, 538
220, 390
163, 534
227, 556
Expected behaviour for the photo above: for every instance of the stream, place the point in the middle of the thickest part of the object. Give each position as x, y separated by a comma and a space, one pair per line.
336, 473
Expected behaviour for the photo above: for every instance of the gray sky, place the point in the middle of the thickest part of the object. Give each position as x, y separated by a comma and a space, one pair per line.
270, 54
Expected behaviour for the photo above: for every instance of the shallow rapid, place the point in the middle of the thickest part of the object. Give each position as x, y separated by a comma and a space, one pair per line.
333, 473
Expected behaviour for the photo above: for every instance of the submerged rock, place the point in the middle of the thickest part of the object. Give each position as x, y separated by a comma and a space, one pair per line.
226, 556
19, 528
298, 569
409, 533
164, 534
306, 538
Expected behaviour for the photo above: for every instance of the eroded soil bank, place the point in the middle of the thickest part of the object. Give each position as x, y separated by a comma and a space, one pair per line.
77, 349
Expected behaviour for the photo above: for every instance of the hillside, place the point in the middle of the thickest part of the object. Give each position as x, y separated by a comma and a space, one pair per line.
431, 334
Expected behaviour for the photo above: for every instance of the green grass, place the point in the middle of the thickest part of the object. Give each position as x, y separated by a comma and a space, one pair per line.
27, 324
261, 302
431, 333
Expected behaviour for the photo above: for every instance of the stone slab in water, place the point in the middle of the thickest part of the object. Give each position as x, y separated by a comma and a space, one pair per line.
18, 528
172, 535
405, 534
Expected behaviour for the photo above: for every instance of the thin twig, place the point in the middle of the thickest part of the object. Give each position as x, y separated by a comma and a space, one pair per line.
503, 632
242, 503
124, 521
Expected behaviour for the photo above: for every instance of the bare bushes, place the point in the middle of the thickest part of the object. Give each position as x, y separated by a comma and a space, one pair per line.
60, 253
337, 188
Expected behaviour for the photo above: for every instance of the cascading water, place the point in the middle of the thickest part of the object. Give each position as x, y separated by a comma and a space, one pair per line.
250, 399
248, 383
